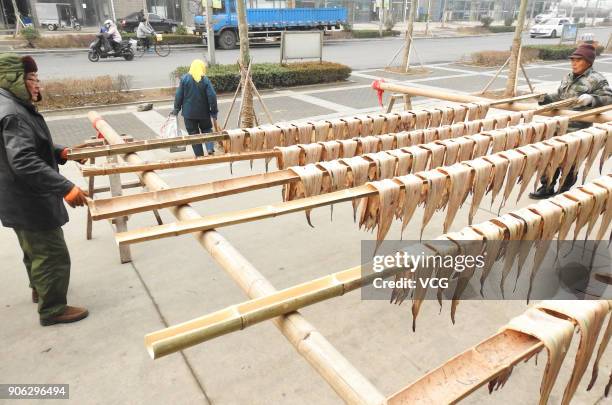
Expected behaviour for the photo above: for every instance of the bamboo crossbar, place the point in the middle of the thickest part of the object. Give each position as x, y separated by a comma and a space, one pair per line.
106, 169
465, 373
600, 117
130, 204
250, 214
343, 378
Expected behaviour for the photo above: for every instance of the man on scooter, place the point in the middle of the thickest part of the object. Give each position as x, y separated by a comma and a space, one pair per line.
114, 35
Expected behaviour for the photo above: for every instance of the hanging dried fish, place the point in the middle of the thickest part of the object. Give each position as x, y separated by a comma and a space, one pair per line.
472, 127
589, 315
417, 137
572, 145
501, 121
602, 348
331, 150
525, 134
368, 144
386, 142
606, 183
608, 148
312, 152
339, 129
452, 151
483, 171
378, 210
488, 124
498, 140
409, 199
273, 136
447, 115
600, 196
471, 243
419, 158
236, 141
305, 131
514, 118
378, 122
458, 130
366, 125
436, 186
354, 127
482, 144
288, 156
514, 231
570, 212
459, 113
472, 112
437, 154
555, 333
467, 147
256, 138
357, 176
458, 185
311, 181
384, 165
562, 125
407, 120
335, 180
516, 162
483, 109
500, 167
533, 229
556, 159
402, 139
404, 160
430, 135
544, 160
435, 117
586, 142
422, 273
493, 235
512, 138
528, 115
421, 120
599, 140
551, 129
392, 122
538, 131
321, 131
290, 133
532, 157
348, 147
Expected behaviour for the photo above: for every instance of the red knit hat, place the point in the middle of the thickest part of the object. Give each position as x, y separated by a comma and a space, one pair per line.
29, 65
586, 52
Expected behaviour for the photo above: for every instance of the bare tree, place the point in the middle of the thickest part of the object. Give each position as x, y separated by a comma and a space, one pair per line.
409, 30
247, 113
515, 51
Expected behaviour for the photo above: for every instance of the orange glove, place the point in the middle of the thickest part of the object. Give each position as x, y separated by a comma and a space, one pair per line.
76, 197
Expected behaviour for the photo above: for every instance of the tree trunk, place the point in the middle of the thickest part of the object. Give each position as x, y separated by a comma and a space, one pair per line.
443, 17
409, 30
247, 117
515, 52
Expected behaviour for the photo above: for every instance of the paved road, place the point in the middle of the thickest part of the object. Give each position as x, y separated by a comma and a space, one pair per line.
153, 71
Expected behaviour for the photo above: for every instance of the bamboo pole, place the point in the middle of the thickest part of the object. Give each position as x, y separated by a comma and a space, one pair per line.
345, 380
251, 214
601, 116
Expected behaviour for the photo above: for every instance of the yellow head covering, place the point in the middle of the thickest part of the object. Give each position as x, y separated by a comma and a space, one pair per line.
197, 70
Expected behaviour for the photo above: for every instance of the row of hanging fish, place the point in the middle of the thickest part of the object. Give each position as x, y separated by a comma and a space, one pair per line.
552, 322
302, 154
352, 172
269, 136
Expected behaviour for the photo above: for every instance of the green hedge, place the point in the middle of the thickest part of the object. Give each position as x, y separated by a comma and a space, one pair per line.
500, 28
225, 78
556, 52
374, 33
172, 39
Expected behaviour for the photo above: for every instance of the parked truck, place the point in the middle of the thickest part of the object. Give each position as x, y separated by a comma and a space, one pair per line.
56, 15
267, 23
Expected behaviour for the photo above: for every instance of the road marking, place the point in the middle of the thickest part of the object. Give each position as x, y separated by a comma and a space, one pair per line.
317, 101
151, 119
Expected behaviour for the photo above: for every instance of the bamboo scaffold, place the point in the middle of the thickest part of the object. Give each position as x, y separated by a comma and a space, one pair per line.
344, 379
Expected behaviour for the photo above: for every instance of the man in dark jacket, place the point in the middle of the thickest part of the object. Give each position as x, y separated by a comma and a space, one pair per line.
196, 96
592, 90
32, 190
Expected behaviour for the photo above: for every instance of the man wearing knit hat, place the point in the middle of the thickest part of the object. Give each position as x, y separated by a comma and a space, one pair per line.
32, 190
592, 90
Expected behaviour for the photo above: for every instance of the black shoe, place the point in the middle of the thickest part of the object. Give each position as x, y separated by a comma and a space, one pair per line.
543, 192
568, 183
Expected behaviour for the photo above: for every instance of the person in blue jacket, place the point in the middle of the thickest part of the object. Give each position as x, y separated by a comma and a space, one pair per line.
196, 96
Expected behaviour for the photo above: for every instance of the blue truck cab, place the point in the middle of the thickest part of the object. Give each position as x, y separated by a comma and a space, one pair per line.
265, 23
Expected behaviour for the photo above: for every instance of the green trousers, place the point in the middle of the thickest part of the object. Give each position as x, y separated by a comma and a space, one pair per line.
47, 262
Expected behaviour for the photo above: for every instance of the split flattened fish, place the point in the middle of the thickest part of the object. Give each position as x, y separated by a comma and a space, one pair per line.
501, 121
472, 111
422, 272
533, 230
385, 164
532, 157
493, 235
435, 117
570, 213
305, 131
366, 125
311, 181
436, 186
437, 154
430, 135
386, 141
339, 129
331, 150
421, 119
500, 167
472, 127
525, 134
514, 231
528, 115
458, 184
558, 153
407, 120
498, 140
348, 147
608, 147
457, 130
289, 156
391, 123
378, 123
572, 145
236, 140
321, 131
515, 168
272, 135
417, 137
336, 179
483, 172
404, 160
600, 195
544, 160
256, 138
600, 351
402, 139
589, 315
452, 151
357, 176
467, 147
512, 138
514, 118
538, 131
447, 115
555, 333
368, 144
470, 243
444, 132
290, 133
419, 158
562, 125
482, 109
599, 140
551, 129
410, 198
459, 113
312, 152
605, 182
379, 210
488, 124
